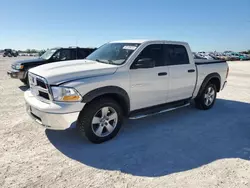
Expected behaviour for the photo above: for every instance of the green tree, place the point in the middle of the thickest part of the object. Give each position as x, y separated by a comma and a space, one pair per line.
41, 52
33, 51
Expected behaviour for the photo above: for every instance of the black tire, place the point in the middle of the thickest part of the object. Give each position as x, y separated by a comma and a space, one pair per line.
84, 122
24, 81
200, 101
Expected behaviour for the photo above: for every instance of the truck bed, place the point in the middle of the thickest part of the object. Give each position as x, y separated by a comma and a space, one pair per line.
207, 61
205, 67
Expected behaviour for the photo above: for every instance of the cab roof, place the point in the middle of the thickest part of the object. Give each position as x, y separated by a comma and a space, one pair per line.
140, 41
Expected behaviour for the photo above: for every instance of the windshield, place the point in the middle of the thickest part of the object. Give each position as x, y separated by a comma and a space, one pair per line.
48, 54
113, 53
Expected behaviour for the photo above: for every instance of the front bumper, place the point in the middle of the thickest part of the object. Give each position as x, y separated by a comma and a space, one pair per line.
16, 74
56, 116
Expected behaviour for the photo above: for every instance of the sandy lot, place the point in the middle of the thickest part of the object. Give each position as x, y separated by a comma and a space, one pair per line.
183, 148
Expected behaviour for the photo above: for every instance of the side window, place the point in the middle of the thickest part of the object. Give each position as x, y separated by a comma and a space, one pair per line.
91, 50
73, 53
82, 53
175, 54
63, 54
153, 52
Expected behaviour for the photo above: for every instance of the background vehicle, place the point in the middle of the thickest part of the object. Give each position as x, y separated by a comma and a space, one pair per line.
197, 56
134, 79
241, 56
215, 55
20, 68
204, 55
10, 53
232, 56
244, 57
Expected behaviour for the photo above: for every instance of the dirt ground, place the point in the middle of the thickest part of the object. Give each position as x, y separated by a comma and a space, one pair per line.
183, 148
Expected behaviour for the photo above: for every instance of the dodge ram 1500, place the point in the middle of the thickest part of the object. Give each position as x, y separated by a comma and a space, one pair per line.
133, 79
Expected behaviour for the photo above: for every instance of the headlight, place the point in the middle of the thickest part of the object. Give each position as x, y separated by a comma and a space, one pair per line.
65, 94
19, 66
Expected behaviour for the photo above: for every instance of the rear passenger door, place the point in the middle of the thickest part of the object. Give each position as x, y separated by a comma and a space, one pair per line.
182, 74
82, 53
73, 53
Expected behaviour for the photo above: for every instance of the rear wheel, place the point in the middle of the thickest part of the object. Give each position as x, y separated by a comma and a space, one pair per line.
207, 98
100, 120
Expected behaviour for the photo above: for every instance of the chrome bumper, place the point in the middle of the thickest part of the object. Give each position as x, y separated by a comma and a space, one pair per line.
51, 116
16, 74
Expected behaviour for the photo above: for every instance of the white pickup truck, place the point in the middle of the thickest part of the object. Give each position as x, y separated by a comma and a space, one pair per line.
134, 79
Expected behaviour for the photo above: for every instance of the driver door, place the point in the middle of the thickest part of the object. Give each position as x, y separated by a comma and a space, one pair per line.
149, 86
63, 55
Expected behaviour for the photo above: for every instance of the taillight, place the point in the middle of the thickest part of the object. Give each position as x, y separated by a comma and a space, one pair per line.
227, 72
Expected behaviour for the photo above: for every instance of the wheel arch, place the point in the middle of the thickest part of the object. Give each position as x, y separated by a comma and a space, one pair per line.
115, 92
211, 78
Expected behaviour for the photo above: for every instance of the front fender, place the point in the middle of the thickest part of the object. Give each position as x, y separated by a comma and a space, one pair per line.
107, 90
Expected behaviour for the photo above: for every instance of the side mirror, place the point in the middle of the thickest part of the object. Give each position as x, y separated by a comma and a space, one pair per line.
55, 58
143, 63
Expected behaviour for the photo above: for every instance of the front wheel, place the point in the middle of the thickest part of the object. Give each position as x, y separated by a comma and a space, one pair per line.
100, 120
207, 98
25, 80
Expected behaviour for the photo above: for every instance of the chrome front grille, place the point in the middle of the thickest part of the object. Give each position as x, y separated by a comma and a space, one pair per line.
39, 87
41, 83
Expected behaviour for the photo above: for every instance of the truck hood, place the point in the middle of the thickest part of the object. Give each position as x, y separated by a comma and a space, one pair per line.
28, 61
65, 71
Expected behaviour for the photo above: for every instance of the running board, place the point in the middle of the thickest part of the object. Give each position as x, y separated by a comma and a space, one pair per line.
159, 112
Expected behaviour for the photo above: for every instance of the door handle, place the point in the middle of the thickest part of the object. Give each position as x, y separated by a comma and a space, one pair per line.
191, 70
162, 74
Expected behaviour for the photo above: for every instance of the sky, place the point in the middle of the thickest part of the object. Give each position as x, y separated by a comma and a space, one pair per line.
206, 25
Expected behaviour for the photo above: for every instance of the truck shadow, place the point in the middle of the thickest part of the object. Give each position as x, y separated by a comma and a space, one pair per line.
168, 143
23, 88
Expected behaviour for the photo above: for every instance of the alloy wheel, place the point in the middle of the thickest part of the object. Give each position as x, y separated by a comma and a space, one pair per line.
104, 121
209, 96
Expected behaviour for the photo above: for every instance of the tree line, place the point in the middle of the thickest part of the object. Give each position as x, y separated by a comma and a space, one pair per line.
32, 51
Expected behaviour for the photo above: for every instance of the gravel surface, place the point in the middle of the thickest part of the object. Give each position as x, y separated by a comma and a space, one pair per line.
183, 148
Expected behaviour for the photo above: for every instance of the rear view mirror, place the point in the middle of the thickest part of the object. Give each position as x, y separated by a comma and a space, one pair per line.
144, 63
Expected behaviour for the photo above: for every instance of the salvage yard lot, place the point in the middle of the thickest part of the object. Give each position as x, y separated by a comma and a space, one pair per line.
183, 148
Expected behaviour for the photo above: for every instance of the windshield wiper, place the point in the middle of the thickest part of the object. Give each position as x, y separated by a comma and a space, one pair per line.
100, 61
104, 61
